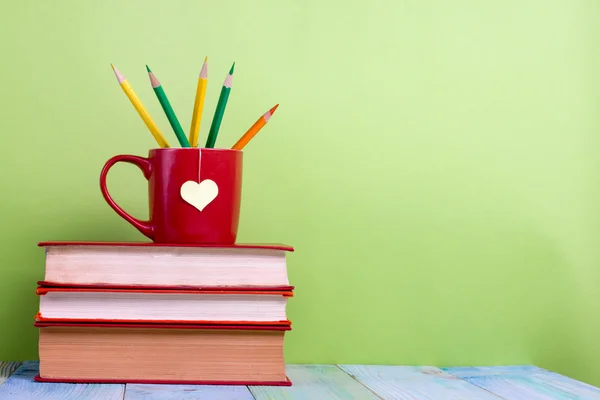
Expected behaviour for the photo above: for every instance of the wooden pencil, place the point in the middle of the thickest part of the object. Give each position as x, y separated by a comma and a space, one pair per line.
220, 110
258, 125
166, 105
199, 104
139, 107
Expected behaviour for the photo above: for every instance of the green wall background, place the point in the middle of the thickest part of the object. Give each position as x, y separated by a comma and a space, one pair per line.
434, 163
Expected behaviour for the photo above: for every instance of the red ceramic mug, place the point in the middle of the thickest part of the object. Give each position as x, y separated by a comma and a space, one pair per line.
194, 194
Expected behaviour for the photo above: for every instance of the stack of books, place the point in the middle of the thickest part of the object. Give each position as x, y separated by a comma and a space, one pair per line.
146, 312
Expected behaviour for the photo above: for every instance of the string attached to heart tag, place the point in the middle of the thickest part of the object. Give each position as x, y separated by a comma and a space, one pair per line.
199, 163
201, 193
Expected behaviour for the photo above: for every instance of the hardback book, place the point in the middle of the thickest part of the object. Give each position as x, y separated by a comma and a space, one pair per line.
139, 353
162, 306
152, 265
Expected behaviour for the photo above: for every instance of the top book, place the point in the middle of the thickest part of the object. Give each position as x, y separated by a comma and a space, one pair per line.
151, 265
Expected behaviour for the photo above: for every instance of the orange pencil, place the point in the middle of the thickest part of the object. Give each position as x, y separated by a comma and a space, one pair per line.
262, 121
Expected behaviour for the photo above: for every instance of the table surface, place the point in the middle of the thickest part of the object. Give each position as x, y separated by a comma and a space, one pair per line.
325, 382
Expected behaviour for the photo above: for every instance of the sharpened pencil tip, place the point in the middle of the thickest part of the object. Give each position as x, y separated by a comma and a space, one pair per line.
206, 59
231, 70
204, 70
154, 82
148, 68
272, 110
118, 74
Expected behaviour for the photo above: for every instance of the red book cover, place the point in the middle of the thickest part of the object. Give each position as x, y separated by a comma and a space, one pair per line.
273, 246
48, 284
39, 318
45, 290
287, 382
46, 324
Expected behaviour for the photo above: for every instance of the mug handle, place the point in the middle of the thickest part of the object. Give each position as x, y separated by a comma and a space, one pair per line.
145, 227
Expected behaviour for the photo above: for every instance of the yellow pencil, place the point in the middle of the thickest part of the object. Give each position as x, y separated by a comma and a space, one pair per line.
137, 104
199, 104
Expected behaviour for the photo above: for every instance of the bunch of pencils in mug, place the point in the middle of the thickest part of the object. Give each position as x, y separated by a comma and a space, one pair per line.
192, 140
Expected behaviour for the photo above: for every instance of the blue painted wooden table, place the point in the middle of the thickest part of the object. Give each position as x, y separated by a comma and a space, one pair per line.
325, 382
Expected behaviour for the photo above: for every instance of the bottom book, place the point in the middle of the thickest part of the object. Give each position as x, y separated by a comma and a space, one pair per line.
146, 353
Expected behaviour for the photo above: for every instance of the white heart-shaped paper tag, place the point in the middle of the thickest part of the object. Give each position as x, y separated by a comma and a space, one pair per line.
199, 194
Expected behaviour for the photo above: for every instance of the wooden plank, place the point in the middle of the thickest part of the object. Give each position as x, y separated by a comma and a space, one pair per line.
6, 369
415, 383
315, 382
21, 386
499, 370
185, 392
515, 383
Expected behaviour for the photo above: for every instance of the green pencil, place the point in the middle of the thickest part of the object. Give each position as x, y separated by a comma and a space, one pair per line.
164, 102
220, 110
